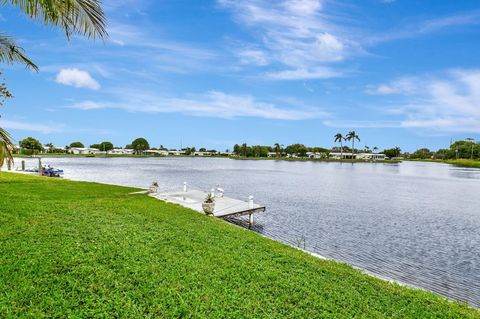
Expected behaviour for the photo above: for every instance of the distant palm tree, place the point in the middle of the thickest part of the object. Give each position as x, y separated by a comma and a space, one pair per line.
367, 149
397, 150
277, 148
375, 149
339, 138
351, 136
50, 147
469, 139
84, 17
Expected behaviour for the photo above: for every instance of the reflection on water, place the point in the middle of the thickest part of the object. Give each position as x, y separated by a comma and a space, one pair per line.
415, 222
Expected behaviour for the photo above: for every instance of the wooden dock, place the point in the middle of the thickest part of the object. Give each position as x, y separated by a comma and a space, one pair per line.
224, 206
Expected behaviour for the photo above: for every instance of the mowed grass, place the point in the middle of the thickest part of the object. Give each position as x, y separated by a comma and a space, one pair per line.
85, 250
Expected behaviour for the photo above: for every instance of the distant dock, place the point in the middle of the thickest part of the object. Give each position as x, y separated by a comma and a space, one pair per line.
225, 207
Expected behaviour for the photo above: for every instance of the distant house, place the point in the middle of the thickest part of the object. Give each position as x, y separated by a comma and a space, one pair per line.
53, 149
272, 154
316, 155
121, 151
156, 152
365, 156
203, 154
371, 156
226, 153
176, 153
83, 150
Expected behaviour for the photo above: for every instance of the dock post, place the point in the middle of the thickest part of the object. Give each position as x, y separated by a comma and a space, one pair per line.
9, 165
40, 166
250, 206
185, 189
23, 165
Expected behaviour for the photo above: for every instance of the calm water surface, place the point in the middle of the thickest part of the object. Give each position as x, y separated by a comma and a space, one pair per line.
418, 223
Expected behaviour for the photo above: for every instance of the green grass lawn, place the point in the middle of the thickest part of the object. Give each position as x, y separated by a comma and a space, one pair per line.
86, 250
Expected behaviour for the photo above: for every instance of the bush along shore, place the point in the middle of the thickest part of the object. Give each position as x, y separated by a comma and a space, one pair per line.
77, 249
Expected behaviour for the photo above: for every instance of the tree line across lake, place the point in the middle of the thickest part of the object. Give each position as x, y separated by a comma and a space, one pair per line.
462, 149
32, 146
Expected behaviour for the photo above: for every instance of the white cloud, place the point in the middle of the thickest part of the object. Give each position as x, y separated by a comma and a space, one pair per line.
211, 104
252, 56
159, 53
316, 73
362, 124
32, 127
399, 86
447, 102
296, 37
304, 7
77, 78
425, 27
87, 105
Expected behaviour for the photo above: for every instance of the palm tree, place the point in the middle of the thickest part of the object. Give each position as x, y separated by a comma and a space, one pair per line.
6, 147
375, 149
397, 150
277, 148
50, 147
351, 136
469, 139
84, 17
339, 138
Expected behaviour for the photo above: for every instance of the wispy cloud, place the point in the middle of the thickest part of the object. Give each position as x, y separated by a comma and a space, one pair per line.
160, 53
77, 78
361, 124
32, 127
448, 102
417, 29
306, 74
296, 38
211, 104
300, 39
406, 85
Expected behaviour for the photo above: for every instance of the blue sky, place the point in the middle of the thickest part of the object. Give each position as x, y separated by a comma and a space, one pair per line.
214, 73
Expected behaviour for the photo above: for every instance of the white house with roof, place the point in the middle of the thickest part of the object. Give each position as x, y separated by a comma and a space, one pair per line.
365, 156
203, 154
316, 155
121, 151
225, 153
156, 152
83, 150
372, 156
176, 153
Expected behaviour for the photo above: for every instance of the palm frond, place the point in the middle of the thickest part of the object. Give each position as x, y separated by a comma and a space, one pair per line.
10, 53
84, 17
6, 147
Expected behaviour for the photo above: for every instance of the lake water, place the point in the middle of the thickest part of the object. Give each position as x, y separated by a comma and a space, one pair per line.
414, 222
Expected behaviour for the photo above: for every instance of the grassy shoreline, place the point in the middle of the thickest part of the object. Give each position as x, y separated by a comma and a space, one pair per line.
313, 160
90, 250
229, 157
459, 162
